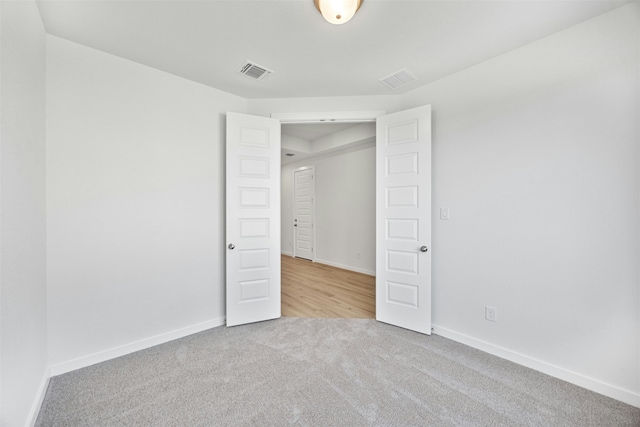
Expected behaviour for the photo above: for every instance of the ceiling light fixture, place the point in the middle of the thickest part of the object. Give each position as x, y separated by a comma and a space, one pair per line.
338, 11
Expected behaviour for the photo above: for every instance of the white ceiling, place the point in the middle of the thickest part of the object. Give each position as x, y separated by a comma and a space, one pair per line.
208, 41
316, 132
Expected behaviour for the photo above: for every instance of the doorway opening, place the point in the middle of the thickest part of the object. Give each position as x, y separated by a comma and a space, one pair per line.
402, 212
328, 220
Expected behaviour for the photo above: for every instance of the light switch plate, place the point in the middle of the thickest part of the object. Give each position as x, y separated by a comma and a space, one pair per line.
444, 213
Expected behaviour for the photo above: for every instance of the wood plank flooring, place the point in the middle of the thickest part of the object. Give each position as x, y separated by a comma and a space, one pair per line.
310, 289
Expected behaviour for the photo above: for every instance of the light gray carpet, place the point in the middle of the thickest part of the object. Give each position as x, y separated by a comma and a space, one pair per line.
320, 372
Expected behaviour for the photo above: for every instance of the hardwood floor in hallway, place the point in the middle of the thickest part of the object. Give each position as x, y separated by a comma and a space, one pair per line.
311, 289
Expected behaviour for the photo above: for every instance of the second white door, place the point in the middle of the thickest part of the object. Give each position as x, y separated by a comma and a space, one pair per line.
303, 215
253, 219
403, 217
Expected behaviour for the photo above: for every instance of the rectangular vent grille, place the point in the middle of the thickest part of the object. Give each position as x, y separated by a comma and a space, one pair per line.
255, 71
398, 79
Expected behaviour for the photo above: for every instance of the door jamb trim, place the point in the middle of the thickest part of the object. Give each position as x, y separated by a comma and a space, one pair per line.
331, 117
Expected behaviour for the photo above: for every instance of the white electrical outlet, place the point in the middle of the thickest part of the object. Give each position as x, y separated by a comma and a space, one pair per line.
444, 214
490, 313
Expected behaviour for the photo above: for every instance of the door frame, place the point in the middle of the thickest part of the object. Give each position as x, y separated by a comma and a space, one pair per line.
332, 117
313, 208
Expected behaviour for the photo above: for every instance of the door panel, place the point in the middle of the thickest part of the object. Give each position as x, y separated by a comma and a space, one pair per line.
403, 219
253, 219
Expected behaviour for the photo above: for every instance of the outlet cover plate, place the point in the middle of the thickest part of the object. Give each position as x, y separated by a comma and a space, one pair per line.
490, 313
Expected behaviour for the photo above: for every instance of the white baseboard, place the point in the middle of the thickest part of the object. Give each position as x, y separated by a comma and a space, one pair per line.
589, 383
347, 267
287, 253
37, 403
112, 353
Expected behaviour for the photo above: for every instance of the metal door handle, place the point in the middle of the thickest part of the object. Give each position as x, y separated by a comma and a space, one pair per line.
232, 246
424, 249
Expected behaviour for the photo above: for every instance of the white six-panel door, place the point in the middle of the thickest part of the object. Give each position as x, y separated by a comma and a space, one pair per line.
253, 219
303, 218
403, 219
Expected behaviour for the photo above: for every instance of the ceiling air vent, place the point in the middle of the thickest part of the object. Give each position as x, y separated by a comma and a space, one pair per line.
255, 71
398, 79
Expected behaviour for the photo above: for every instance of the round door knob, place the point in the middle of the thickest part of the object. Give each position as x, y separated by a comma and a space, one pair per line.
232, 246
424, 249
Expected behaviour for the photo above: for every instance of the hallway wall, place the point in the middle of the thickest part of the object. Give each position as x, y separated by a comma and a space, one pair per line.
345, 208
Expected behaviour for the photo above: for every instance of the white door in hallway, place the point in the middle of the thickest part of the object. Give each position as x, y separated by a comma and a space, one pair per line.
403, 219
303, 218
253, 219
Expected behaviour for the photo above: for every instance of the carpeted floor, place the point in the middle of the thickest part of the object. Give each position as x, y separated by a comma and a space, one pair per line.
320, 372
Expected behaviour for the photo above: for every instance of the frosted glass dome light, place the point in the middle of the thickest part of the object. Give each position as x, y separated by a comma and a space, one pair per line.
338, 11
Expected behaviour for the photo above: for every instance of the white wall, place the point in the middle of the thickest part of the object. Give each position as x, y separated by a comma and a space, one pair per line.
135, 173
23, 355
345, 208
267, 106
536, 153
